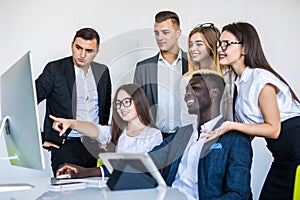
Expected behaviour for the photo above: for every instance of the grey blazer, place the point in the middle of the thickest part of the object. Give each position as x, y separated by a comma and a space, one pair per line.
146, 76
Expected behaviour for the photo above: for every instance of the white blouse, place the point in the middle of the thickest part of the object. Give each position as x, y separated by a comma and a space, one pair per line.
142, 143
249, 86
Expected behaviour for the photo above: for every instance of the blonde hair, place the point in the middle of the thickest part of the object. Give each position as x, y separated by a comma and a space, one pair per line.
210, 36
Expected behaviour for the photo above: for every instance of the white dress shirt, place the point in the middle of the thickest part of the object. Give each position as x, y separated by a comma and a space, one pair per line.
168, 111
142, 143
186, 179
87, 98
249, 86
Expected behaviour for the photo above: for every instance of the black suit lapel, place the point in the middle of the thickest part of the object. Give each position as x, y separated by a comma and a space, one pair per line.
70, 75
184, 62
97, 72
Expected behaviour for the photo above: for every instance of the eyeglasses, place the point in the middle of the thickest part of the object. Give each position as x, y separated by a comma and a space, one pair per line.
206, 25
224, 44
126, 102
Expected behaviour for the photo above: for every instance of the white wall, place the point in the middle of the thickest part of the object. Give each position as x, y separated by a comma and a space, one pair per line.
47, 29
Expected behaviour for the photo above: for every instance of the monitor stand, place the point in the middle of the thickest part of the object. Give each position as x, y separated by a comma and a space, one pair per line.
4, 126
7, 187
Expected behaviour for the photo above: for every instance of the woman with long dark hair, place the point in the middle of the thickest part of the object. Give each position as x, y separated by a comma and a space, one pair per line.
132, 129
264, 106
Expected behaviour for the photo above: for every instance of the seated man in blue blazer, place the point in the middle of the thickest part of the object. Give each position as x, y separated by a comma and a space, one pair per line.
218, 169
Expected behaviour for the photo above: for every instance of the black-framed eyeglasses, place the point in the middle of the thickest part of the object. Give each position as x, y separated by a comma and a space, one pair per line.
224, 44
206, 25
126, 102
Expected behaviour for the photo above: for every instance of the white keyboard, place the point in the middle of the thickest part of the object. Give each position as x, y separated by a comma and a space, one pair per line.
97, 182
15, 187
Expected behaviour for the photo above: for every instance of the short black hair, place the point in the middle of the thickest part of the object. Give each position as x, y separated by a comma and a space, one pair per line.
165, 15
88, 34
212, 79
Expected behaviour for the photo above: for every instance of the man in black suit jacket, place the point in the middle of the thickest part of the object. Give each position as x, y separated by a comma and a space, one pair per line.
159, 75
75, 87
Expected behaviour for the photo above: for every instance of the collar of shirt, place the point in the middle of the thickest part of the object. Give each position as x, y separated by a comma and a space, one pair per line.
208, 125
161, 59
80, 71
244, 77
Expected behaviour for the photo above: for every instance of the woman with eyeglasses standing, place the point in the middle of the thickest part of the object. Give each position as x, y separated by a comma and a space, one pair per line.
132, 128
202, 54
265, 106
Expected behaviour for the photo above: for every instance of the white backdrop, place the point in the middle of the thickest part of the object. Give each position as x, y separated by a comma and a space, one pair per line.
48, 27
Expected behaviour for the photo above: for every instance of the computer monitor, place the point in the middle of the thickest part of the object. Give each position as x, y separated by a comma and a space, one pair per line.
20, 121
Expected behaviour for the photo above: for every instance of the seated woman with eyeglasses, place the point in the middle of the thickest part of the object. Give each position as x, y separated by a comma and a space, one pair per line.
132, 129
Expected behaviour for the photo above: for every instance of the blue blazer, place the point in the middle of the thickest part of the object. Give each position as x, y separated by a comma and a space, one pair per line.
57, 85
146, 76
224, 166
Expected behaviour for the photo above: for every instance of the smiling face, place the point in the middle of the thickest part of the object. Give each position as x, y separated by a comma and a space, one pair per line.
127, 113
198, 51
167, 35
233, 55
197, 96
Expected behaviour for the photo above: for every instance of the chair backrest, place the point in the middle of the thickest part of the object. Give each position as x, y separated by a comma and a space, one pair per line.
297, 184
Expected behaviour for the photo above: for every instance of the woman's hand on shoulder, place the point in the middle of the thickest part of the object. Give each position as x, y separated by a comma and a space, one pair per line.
210, 135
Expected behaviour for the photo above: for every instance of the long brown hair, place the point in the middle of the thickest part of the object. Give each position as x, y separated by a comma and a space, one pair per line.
254, 55
140, 101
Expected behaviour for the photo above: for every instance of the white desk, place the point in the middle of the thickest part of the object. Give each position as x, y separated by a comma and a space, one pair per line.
41, 192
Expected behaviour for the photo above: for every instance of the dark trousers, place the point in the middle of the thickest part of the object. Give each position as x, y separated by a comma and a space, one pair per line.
279, 183
74, 152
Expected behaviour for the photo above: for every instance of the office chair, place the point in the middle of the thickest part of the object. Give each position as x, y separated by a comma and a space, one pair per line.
297, 184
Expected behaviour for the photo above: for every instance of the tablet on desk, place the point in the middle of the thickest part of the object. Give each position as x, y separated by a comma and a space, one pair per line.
131, 171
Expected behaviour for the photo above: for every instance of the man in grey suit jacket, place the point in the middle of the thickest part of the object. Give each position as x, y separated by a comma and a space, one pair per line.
218, 169
160, 74
75, 87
